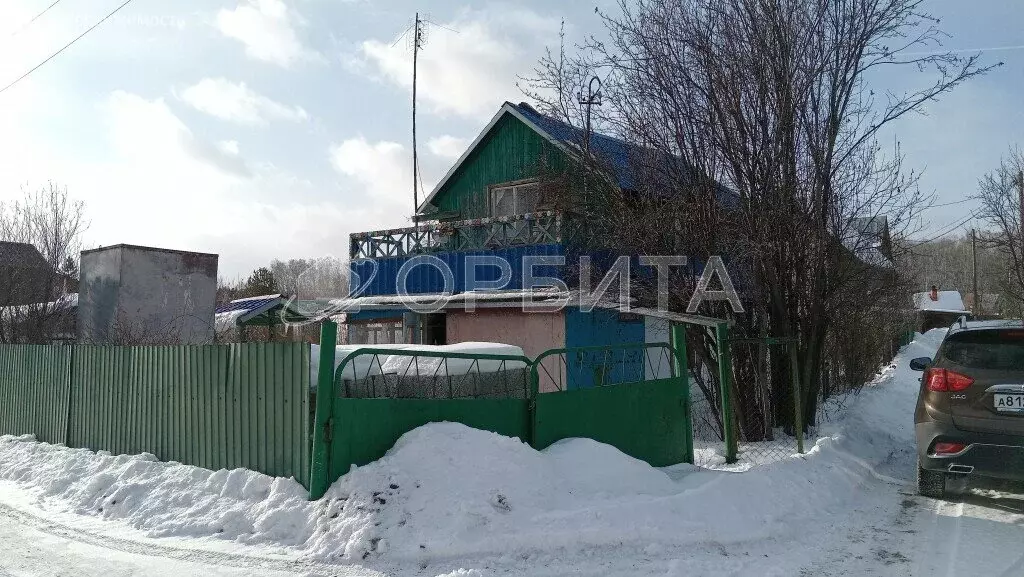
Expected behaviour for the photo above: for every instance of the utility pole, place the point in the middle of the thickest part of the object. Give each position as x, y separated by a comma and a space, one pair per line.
593, 98
417, 43
976, 305
1020, 206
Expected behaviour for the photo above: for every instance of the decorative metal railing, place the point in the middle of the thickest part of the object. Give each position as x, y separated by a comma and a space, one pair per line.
476, 234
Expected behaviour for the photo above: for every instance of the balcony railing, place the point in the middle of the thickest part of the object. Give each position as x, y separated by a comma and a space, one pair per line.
477, 234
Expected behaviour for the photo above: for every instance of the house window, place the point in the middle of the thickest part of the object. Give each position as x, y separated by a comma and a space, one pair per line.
514, 199
385, 332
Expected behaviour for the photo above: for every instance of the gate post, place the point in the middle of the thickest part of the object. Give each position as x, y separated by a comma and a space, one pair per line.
683, 372
725, 383
798, 411
324, 408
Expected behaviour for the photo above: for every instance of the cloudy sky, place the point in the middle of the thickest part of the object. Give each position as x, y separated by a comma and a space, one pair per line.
262, 129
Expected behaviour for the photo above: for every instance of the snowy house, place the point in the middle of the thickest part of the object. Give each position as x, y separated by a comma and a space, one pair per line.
490, 203
937, 308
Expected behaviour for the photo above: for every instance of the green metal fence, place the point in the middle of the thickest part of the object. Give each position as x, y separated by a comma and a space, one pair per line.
213, 406
627, 396
34, 389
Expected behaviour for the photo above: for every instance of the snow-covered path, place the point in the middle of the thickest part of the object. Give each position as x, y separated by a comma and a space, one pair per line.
37, 551
894, 532
449, 501
34, 542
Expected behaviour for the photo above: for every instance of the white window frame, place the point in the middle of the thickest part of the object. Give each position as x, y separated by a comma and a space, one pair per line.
517, 188
384, 331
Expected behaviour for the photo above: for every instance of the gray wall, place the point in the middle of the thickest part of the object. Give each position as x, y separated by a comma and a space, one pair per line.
138, 295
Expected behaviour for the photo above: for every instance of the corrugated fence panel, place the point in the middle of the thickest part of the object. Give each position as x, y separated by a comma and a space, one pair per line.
214, 406
34, 385
269, 408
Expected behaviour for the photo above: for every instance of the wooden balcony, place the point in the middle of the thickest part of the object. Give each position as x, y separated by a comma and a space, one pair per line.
477, 234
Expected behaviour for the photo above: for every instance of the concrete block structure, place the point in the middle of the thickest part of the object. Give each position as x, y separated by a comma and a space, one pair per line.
141, 295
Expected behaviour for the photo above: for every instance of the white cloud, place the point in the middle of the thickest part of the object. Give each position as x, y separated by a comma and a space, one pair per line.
151, 180
448, 146
267, 28
236, 102
228, 147
469, 73
382, 169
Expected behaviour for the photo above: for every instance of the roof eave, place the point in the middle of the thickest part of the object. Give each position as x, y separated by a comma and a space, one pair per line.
508, 108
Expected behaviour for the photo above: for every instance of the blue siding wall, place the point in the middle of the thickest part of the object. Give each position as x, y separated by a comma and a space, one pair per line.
602, 327
426, 279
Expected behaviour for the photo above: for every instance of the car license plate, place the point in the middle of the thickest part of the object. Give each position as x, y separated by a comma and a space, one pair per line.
1009, 403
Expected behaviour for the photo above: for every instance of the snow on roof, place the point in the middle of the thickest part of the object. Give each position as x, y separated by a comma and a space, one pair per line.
945, 302
401, 362
226, 321
249, 303
443, 300
988, 325
64, 303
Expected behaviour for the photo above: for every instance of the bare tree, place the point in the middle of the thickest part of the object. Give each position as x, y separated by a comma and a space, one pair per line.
41, 234
1001, 195
312, 278
753, 129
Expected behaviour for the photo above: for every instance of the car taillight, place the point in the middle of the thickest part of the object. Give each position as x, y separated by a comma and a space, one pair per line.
947, 448
943, 380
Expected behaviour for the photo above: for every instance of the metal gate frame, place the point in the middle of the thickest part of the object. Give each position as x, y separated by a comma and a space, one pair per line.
321, 433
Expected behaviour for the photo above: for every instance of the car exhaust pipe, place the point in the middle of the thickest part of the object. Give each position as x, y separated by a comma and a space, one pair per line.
962, 469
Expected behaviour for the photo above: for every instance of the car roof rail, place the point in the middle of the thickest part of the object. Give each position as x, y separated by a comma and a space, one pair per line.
963, 321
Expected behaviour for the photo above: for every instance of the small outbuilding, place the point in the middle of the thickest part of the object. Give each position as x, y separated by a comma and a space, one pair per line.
239, 318
937, 309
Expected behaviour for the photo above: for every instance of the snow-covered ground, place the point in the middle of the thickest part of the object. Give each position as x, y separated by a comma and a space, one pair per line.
449, 500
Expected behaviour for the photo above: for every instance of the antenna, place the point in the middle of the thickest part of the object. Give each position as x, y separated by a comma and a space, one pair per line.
418, 39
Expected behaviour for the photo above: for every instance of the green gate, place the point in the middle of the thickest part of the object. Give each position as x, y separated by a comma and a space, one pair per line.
634, 397
376, 395
628, 396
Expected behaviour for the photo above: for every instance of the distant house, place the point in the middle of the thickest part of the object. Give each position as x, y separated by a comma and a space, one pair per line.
37, 302
25, 276
936, 309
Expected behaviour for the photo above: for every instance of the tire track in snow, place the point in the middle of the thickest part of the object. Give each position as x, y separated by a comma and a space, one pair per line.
219, 558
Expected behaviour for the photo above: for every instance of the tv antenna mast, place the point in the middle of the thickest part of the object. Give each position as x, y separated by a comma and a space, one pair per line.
418, 39
415, 41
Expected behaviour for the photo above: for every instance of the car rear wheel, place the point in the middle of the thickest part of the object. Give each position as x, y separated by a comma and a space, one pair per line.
931, 483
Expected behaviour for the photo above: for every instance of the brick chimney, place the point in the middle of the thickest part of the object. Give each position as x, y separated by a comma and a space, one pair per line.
934, 294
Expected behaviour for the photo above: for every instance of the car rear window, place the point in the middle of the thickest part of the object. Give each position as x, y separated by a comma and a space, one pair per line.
988, 349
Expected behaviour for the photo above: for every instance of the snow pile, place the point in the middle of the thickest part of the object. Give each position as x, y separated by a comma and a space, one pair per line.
446, 492
163, 499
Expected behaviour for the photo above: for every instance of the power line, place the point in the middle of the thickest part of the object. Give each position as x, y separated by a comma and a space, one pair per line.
65, 47
949, 230
34, 18
950, 203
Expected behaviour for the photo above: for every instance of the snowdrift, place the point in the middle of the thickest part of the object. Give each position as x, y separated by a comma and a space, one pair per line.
446, 492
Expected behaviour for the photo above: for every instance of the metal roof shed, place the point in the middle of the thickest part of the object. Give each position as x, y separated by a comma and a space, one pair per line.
260, 311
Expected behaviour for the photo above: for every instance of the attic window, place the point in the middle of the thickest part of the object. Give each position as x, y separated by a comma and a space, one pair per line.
514, 199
